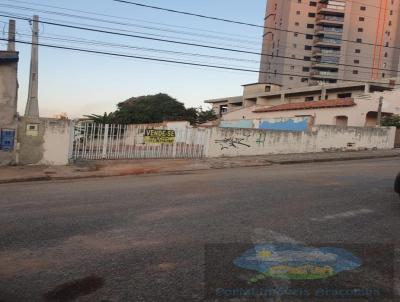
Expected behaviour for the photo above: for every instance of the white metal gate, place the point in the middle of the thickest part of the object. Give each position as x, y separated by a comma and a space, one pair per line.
97, 141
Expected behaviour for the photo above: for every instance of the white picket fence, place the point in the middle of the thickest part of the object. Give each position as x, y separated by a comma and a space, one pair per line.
96, 141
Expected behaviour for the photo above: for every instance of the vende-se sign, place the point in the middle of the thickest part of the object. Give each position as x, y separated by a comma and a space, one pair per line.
153, 136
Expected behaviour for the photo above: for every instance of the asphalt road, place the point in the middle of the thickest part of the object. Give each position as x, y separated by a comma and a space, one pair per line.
162, 237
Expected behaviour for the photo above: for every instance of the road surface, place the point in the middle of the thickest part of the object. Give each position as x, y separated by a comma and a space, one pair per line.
145, 238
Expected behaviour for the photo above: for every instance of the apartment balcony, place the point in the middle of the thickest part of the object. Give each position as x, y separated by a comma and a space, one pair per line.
317, 52
320, 74
329, 20
325, 64
329, 30
336, 43
332, 7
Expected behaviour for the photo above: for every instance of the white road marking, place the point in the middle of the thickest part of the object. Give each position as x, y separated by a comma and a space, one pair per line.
347, 214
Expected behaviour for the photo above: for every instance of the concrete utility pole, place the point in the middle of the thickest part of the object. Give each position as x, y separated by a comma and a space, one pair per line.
11, 35
379, 118
32, 105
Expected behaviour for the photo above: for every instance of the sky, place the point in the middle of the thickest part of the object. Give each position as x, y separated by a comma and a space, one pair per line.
78, 83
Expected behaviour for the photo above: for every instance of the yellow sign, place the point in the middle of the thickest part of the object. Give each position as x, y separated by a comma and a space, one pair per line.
153, 136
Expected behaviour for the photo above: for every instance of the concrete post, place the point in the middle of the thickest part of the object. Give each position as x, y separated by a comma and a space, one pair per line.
32, 106
379, 119
11, 35
367, 88
282, 97
105, 141
323, 93
71, 142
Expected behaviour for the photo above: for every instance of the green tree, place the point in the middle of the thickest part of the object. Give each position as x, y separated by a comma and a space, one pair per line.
106, 118
150, 109
391, 121
153, 109
205, 116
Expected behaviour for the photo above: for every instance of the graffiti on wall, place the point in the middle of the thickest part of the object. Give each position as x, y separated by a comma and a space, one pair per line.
232, 142
261, 139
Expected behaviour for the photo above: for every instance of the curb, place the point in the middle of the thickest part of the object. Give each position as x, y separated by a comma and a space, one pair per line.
249, 165
322, 160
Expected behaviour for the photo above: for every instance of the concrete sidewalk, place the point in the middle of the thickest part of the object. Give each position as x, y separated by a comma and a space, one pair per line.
107, 168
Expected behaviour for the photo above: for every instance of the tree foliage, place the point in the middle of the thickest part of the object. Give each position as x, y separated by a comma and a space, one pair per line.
106, 118
153, 109
391, 121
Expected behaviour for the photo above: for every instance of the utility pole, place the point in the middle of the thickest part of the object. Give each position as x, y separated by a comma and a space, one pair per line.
32, 105
379, 119
11, 36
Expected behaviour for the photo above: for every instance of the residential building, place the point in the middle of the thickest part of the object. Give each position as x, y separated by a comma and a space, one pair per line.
8, 98
325, 41
341, 104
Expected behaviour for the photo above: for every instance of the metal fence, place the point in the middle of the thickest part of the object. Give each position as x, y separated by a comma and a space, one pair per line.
97, 141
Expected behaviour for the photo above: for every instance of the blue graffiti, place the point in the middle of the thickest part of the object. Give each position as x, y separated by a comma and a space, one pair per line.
285, 125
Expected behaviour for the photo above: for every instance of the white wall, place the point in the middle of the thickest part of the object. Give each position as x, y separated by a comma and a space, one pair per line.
56, 142
239, 142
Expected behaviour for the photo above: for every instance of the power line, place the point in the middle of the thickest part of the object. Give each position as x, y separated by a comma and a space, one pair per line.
105, 29
128, 19
173, 61
70, 39
151, 28
64, 38
191, 44
127, 24
237, 22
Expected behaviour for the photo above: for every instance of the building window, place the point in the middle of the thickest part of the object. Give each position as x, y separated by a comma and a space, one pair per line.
344, 95
360, 30
307, 58
358, 51
310, 25
312, 3
355, 71
359, 40
306, 69
309, 98
298, 12
362, 19
309, 37
307, 47
363, 8
311, 15
356, 61
342, 120
296, 23
304, 80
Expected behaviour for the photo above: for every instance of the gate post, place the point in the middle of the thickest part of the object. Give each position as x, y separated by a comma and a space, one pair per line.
105, 141
71, 141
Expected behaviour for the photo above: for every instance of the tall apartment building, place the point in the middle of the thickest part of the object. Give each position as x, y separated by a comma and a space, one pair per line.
324, 41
